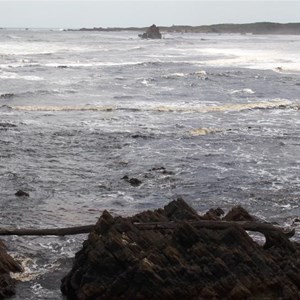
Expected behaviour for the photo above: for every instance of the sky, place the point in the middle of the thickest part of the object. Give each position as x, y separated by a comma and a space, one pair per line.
122, 13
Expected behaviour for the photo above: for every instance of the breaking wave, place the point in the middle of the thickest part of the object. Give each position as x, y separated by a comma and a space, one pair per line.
163, 108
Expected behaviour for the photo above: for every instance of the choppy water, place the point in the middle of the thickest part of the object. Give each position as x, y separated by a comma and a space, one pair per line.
80, 110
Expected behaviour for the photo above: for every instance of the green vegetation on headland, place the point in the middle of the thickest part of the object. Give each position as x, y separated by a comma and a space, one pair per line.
254, 28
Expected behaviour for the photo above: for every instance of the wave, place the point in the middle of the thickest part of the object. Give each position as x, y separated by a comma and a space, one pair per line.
174, 75
7, 96
11, 75
231, 107
12, 37
24, 63
5, 108
242, 91
5, 125
62, 108
89, 64
137, 48
204, 131
282, 61
275, 104
146, 81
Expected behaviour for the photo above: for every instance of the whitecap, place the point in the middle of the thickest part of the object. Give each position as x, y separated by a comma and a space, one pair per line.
276, 103
90, 64
31, 268
173, 75
200, 73
146, 81
11, 75
203, 131
13, 37
242, 91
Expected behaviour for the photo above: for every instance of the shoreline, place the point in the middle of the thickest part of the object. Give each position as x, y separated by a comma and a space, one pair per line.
248, 28
259, 28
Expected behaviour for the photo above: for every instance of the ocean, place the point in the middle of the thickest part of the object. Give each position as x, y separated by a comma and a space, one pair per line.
211, 118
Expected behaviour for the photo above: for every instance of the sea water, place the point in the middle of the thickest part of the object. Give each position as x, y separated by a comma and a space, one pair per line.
81, 110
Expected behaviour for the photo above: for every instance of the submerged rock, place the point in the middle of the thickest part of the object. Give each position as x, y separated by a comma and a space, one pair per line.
21, 193
133, 181
120, 260
7, 265
151, 33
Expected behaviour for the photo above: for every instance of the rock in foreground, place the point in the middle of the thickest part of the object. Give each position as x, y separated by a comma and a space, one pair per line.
7, 265
151, 33
120, 261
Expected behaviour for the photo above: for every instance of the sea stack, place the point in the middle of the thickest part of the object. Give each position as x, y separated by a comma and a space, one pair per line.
151, 33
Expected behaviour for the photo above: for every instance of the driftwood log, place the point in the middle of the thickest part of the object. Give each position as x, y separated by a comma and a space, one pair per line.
266, 229
47, 231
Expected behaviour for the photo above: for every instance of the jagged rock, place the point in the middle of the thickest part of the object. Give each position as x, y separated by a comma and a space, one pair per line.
7, 265
120, 261
238, 213
151, 33
214, 214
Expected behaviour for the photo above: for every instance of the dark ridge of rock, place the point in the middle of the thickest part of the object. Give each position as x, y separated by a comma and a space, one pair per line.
151, 33
7, 265
120, 261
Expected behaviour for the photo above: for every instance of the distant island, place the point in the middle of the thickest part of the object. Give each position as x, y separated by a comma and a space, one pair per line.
252, 28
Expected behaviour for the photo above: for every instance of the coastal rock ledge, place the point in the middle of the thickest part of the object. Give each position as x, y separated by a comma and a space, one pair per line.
120, 260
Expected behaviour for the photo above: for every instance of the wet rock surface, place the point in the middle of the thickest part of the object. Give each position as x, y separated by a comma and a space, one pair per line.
133, 181
7, 265
121, 261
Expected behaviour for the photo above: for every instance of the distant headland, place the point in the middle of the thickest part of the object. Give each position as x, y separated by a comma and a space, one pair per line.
252, 28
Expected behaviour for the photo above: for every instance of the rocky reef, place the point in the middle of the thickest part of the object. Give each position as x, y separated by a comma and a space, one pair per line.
151, 33
165, 254
7, 265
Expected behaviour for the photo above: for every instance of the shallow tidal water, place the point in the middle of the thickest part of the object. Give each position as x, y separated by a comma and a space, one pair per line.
81, 110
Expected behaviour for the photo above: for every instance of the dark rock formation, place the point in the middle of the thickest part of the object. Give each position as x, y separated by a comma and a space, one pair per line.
214, 214
7, 265
121, 261
151, 33
21, 193
133, 181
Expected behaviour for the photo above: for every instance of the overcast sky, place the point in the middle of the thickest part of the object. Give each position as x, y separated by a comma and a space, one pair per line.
76, 14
